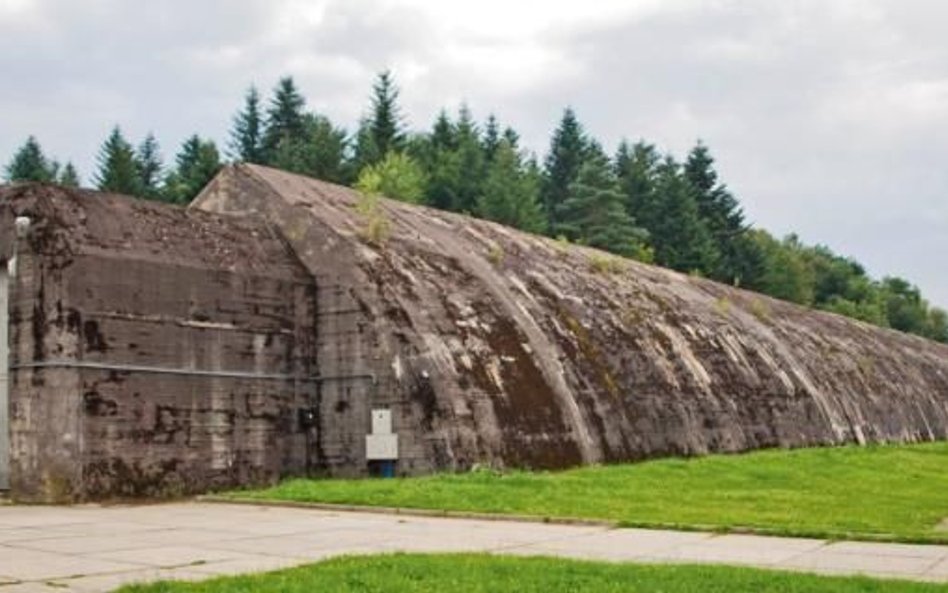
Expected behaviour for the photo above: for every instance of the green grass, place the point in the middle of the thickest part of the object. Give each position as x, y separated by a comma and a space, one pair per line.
880, 492
482, 573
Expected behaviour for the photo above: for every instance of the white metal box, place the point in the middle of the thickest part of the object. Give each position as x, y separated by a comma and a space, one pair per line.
381, 447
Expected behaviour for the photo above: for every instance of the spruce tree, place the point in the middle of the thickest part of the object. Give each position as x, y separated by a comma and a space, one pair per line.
443, 133
30, 164
561, 168
438, 155
285, 117
69, 177
635, 167
320, 153
195, 165
470, 162
148, 160
382, 131
328, 148
511, 194
118, 167
512, 137
365, 152
678, 234
387, 127
492, 138
247, 133
594, 213
740, 262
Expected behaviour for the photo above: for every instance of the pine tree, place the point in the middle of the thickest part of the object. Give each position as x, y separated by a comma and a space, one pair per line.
365, 152
387, 127
285, 117
594, 213
512, 138
678, 234
69, 177
319, 153
443, 133
635, 167
195, 165
383, 131
492, 138
470, 162
511, 194
247, 133
328, 146
567, 153
118, 167
148, 160
453, 157
30, 164
437, 153
740, 262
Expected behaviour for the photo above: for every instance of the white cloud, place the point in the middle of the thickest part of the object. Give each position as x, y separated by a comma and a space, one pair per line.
511, 20
12, 9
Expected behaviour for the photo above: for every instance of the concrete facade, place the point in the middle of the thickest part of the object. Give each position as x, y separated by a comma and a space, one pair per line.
159, 351
153, 352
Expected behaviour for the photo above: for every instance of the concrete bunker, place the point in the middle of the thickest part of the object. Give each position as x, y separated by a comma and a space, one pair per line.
261, 333
153, 352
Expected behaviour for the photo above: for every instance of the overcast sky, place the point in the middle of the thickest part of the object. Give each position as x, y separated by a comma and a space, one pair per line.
827, 117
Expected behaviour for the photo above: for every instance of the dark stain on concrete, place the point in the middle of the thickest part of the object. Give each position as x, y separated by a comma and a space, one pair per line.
94, 340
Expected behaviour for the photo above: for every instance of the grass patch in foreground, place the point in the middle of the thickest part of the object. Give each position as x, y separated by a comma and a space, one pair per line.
896, 492
482, 573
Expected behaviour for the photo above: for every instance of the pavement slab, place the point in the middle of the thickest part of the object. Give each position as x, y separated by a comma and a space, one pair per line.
91, 549
111, 581
940, 570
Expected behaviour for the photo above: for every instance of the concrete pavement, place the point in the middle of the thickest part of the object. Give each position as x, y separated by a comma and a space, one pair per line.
91, 548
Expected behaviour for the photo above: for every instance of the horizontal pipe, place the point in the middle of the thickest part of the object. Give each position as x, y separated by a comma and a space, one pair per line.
78, 364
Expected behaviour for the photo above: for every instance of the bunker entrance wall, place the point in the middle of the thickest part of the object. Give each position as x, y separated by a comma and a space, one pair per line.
133, 375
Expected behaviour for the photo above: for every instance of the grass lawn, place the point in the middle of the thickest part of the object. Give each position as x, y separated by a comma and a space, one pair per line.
482, 573
884, 492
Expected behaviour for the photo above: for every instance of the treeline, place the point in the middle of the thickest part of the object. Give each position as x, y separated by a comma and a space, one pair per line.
128, 170
637, 202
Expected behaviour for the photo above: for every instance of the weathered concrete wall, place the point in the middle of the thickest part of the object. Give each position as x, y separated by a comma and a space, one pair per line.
45, 433
365, 361
498, 347
156, 352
